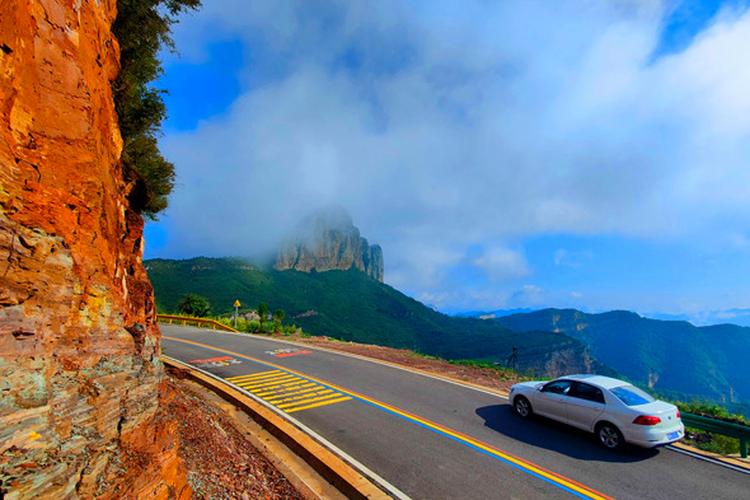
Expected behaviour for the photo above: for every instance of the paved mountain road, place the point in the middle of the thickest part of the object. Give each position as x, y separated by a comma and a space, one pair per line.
433, 439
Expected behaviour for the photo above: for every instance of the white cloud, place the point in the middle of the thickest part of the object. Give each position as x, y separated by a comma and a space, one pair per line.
572, 259
502, 263
466, 123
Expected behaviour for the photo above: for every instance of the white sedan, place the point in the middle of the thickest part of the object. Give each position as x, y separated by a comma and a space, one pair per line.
616, 411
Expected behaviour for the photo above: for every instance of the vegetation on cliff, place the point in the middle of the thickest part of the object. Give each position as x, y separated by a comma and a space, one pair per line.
143, 27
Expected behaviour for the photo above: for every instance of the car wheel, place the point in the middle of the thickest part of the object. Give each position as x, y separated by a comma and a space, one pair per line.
522, 407
609, 436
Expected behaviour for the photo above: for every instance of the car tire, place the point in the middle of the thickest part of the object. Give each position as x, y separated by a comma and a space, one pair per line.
609, 436
522, 407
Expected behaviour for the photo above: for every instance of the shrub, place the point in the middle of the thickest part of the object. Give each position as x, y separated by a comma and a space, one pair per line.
142, 28
267, 327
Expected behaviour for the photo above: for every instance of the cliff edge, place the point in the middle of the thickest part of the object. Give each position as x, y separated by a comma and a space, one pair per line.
80, 380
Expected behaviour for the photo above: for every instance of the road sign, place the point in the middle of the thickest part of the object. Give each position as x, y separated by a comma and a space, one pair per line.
236, 312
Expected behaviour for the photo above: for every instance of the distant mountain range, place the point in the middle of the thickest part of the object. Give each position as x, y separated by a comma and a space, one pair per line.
735, 316
350, 305
674, 358
497, 313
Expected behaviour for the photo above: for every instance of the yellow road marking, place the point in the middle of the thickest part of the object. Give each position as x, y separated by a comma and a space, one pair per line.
314, 399
256, 376
303, 398
267, 383
283, 396
521, 463
323, 403
266, 380
290, 385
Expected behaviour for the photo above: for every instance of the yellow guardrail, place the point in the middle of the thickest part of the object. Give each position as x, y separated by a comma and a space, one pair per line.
189, 320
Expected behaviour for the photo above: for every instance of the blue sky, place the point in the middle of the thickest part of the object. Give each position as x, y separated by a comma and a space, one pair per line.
525, 154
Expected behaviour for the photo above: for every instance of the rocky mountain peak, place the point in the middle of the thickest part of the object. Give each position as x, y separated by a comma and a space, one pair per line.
327, 240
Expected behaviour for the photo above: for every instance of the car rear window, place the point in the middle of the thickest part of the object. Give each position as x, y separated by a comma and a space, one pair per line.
631, 395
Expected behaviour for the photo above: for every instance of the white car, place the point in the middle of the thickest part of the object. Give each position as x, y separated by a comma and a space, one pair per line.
616, 411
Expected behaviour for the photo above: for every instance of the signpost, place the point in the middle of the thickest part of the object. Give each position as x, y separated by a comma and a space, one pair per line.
236, 312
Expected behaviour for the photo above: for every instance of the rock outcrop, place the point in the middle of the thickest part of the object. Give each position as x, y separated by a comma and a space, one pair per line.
329, 240
80, 379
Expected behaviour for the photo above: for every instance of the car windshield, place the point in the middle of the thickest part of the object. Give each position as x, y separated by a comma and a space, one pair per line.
631, 395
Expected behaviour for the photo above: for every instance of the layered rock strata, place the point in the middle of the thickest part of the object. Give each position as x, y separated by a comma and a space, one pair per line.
80, 380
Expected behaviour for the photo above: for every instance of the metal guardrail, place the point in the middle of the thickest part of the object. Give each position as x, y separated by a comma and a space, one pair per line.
738, 431
199, 322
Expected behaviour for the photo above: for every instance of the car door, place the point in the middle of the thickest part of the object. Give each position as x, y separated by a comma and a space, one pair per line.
585, 403
551, 398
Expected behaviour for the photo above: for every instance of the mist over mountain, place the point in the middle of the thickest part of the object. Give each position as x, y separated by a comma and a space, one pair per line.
327, 240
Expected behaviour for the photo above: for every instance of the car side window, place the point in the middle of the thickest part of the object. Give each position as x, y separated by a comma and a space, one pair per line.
557, 387
587, 392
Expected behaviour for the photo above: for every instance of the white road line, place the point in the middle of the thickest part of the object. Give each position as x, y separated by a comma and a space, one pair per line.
709, 459
385, 485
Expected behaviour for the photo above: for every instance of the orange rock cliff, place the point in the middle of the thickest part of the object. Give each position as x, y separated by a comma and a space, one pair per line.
80, 380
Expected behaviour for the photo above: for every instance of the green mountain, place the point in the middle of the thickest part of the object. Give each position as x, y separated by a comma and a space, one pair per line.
674, 358
349, 305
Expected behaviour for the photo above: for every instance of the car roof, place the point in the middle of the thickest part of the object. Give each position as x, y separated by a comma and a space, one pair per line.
599, 380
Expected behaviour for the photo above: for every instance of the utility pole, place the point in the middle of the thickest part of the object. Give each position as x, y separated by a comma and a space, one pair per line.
236, 312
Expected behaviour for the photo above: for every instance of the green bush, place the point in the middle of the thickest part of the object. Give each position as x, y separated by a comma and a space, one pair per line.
142, 28
267, 327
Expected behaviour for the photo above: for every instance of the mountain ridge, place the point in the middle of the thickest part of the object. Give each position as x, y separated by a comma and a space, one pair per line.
349, 305
671, 357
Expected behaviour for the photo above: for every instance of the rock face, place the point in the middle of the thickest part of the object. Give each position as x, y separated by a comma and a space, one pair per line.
80, 379
329, 240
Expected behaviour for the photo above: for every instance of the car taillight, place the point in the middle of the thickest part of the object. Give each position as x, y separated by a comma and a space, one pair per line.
646, 420
678, 414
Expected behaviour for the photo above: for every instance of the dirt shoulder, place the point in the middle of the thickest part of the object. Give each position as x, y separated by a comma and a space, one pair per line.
221, 460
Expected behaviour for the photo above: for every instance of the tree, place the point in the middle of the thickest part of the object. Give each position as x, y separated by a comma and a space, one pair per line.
193, 304
278, 317
143, 28
263, 312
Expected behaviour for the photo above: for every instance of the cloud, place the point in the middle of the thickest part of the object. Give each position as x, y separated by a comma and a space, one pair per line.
502, 264
441, 125
572, 259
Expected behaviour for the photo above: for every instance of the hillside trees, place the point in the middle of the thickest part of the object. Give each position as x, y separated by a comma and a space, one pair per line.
143, 27
193, 304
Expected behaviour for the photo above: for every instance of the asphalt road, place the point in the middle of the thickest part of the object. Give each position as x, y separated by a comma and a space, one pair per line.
433, 439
